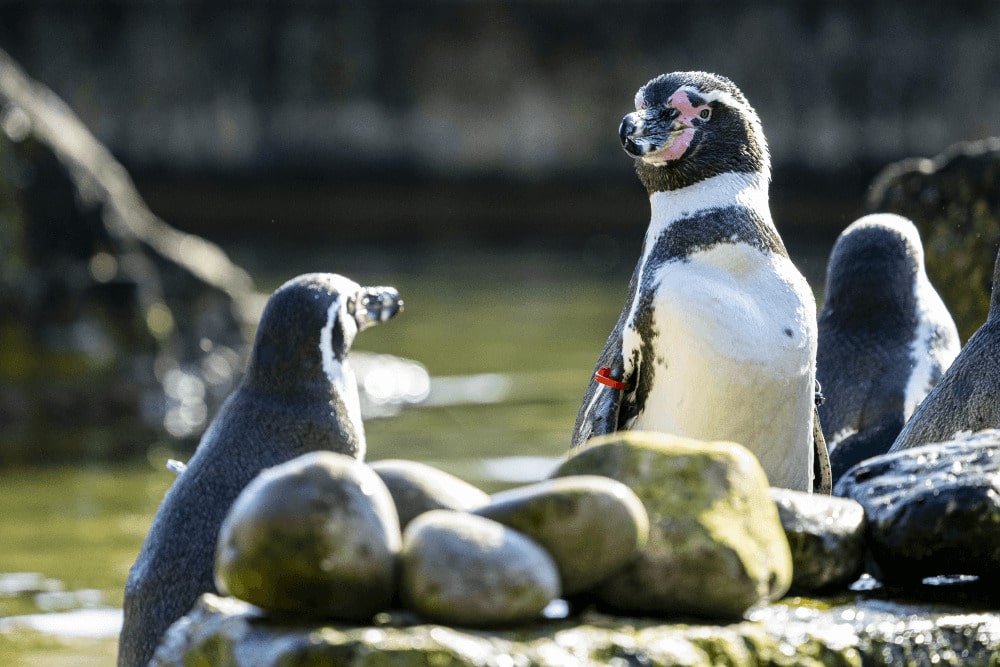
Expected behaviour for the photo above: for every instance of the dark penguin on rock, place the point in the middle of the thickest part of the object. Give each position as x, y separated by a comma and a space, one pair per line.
967, 398
717, 339
298, 395
885, 337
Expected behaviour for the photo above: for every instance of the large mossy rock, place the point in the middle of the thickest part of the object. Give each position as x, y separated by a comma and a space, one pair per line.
225, 632
954, 199
716, 546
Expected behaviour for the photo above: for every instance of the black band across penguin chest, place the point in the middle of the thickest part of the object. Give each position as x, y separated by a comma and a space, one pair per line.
733, 225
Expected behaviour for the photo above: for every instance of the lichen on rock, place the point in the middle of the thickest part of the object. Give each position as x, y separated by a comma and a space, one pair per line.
716, 546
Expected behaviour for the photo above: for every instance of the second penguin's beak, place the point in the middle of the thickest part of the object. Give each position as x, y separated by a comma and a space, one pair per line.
372, 305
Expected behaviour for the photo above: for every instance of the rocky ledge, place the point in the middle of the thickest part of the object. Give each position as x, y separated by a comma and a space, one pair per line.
856, 630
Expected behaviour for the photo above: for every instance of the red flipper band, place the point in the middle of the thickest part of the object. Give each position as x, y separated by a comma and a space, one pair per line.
603, 376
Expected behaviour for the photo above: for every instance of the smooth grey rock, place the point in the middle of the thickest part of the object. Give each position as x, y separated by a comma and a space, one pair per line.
932, 510
827, 538
316, 536
592, 526
716, 546
417, 488
469, 570
224, 631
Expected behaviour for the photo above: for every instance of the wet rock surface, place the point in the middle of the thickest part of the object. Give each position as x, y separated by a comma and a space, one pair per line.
472, 571
716, 546
591, 526
417, 488
932, 510
805, 631
827, 538
317, 536
954, 199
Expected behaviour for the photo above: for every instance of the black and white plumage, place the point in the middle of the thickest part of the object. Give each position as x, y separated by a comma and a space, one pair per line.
298, 395
885, 337
967, 398
717, 339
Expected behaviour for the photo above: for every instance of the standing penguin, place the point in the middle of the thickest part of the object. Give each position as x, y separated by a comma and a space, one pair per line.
885, 337
298, 395
717, 339
967, 398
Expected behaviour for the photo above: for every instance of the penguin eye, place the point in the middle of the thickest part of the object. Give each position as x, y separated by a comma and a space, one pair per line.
705, 113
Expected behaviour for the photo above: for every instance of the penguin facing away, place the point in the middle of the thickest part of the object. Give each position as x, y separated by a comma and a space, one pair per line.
717, 339
885, 337
298, 395
967, 398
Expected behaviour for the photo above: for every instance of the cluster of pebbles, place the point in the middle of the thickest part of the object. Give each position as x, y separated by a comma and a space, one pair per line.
638, 523
327, 536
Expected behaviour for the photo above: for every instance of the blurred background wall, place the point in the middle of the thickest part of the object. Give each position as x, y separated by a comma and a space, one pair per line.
491, 121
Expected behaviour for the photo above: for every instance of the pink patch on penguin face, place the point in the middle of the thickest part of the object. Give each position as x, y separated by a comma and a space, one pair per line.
680, 138
688, 111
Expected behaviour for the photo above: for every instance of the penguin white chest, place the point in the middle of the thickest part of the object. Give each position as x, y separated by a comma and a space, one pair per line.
733, 334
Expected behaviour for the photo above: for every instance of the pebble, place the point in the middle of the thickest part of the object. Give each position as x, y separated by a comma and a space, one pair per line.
827, 538
462, 569
316, 536
417, 488
592, 526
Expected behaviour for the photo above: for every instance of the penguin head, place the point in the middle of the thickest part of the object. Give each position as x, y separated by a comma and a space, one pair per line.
308, 327
875, 267
689, 126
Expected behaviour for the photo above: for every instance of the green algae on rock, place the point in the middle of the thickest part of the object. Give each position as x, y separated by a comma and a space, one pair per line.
316, 536
875, 633
716, 546
591, 525
472, 571
417, 488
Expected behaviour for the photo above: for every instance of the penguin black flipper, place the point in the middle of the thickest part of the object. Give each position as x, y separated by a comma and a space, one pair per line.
606, 412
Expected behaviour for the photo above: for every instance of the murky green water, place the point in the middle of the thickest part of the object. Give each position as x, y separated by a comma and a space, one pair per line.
538, 318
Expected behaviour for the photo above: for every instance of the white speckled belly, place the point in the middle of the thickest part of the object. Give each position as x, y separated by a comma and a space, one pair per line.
736, 352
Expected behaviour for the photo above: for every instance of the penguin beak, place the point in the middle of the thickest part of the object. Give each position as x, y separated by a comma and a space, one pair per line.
629, 132
373, 305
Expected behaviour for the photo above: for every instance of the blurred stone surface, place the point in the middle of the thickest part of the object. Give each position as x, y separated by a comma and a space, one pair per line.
830, 632
591, 526
417, 488
317, 536
827, 538
114, 327
469, 570
932, 510
954, 199
715, 547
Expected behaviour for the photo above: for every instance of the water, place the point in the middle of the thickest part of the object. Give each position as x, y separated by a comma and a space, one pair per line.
510, 340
